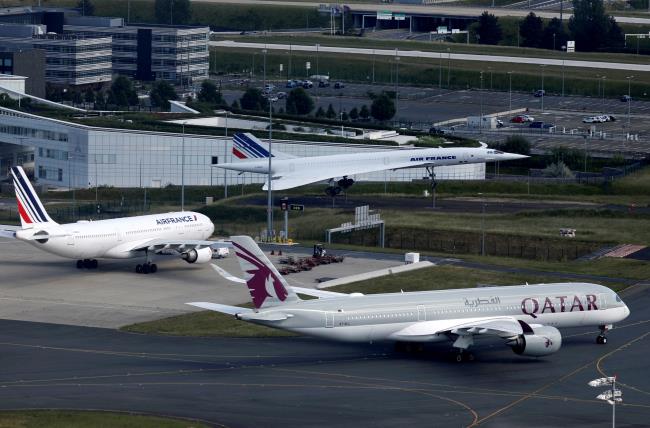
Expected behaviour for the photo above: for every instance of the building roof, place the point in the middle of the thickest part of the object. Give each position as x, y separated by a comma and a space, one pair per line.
12, 77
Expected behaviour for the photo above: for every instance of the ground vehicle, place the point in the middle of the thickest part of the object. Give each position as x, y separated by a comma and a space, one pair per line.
594, 119
539, 93
323, 83
292, 84
522, 118
339, 85
281, 95
626, 98
307, 84
541, 125
499, 123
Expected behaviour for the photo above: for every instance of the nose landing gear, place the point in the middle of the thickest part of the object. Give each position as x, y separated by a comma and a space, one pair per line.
601, 339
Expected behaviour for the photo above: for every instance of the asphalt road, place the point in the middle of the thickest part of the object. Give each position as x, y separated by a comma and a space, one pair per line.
436, 55
297, 382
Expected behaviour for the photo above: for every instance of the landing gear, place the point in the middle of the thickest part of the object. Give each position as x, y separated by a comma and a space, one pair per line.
146, 268
87, 264
602, 339
409, 347
463, 355
434, 183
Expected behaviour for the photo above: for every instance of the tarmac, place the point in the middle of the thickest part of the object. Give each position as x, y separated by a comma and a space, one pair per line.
41, 287
297, 381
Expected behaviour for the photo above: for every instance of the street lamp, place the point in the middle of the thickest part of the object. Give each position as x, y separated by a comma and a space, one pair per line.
480, 124
264, 52
612, 396
183, 170
225, 155
510, 90
396, 84
542, 67
564, 48
448, 65
629, 98
604, 77
482, 224
269, 202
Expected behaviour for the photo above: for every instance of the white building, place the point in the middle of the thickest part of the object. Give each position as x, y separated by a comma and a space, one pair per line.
67, 154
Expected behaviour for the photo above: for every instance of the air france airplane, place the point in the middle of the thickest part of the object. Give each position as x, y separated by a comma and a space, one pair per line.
526, 317
288, 171
120, 238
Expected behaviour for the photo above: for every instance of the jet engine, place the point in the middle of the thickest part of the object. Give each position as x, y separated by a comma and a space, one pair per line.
202, 255
537, 341
345, 182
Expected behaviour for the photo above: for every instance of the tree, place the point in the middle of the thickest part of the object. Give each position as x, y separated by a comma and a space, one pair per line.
364, 113
89, 96
554, 36
516, 144
77, 98
382, 108
291, 107
173, 12
100, 100
354, 113
320, 112
235, 105
531, 31
488, 30
161, 92
86, 7
590, 27
345, 116
301, 100
122, 92
209, 93
330, 114
253, 100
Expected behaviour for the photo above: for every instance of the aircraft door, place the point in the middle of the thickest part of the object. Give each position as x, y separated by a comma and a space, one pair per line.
329, 319
69, 239
422, 313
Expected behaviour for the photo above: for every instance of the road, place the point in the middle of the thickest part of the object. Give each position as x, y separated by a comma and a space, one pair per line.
424, 9
436, 55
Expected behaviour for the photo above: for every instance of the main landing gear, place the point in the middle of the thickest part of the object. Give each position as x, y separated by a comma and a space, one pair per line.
146, 268
87, 264
602, 339
462, 355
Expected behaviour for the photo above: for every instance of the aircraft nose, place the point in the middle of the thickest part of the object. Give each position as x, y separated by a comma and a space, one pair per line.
513, 156
626, 311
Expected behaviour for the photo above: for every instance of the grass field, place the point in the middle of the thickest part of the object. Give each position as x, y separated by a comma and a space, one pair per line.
81, 419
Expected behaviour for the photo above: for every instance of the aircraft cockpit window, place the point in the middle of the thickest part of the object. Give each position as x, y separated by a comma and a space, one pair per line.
498, 152
618, 299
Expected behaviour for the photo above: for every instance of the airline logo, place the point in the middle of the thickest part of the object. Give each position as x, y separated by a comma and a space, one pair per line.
532, 306
246, 146
30, 208
262, 283
432, 158
181, 219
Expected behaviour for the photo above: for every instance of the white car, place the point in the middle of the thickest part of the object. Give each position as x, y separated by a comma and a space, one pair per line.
592, 119
220, 253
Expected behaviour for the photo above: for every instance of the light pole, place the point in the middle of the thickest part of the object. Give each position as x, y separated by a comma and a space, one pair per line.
264, 78
373, 66
564, 48
440, 70
604, 77
612, 396
482, 224
448, 65
543, 66
510, 90
396, 85
629, 98
225, 155
317, 66
480, 124
183, 170
269, 202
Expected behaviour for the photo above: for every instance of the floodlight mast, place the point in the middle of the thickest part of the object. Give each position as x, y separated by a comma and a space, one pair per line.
612, 396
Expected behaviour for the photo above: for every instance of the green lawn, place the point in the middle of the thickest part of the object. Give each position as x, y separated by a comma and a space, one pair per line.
81, 419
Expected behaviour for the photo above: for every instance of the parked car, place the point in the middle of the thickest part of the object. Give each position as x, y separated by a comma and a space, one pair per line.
610, 118
292, 84
500, 123
307, 84
323, 83
539, 93
281, 95
522, 118
592, 119
626, 98
541, 125
339, 85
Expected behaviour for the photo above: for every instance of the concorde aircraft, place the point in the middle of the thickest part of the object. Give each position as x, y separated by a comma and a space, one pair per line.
288, 171
526, 317
184, 233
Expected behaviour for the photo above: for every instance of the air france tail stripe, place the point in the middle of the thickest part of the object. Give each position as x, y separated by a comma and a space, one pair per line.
247, 152
237, 153
20, 193
255, 145
23, 213
244, 146
33, 200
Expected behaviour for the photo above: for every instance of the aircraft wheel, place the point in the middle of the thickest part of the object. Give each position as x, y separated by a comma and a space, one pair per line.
145, 268
94, 263
80, 264
86, 263
601, 340
469, 356
153, 268
459, 358
138, 269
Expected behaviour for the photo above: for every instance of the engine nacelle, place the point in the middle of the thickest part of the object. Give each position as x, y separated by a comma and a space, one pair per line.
543, 340
202, 255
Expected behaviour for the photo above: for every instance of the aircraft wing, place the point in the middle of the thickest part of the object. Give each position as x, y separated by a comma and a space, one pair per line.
300, 177
8, 231
224, 309
321, 294
157, 245
495, 326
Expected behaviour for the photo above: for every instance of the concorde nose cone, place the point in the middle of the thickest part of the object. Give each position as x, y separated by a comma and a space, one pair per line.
513, 156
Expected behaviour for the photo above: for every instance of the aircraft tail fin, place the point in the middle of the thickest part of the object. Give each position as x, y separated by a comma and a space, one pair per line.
247, 146
265, 284
30, 207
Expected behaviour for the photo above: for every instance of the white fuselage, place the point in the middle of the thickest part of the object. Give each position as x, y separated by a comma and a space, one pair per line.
381, 317
115, 238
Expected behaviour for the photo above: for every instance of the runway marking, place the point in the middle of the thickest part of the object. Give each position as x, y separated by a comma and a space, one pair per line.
550, 384
620, 348
620, 327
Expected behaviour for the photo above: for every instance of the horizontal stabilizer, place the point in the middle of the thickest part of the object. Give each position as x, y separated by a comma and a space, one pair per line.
224, 309
7, 231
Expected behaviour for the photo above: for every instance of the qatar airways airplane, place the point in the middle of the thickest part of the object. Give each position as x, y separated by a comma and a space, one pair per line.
182, 232
288, 171
526, 317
